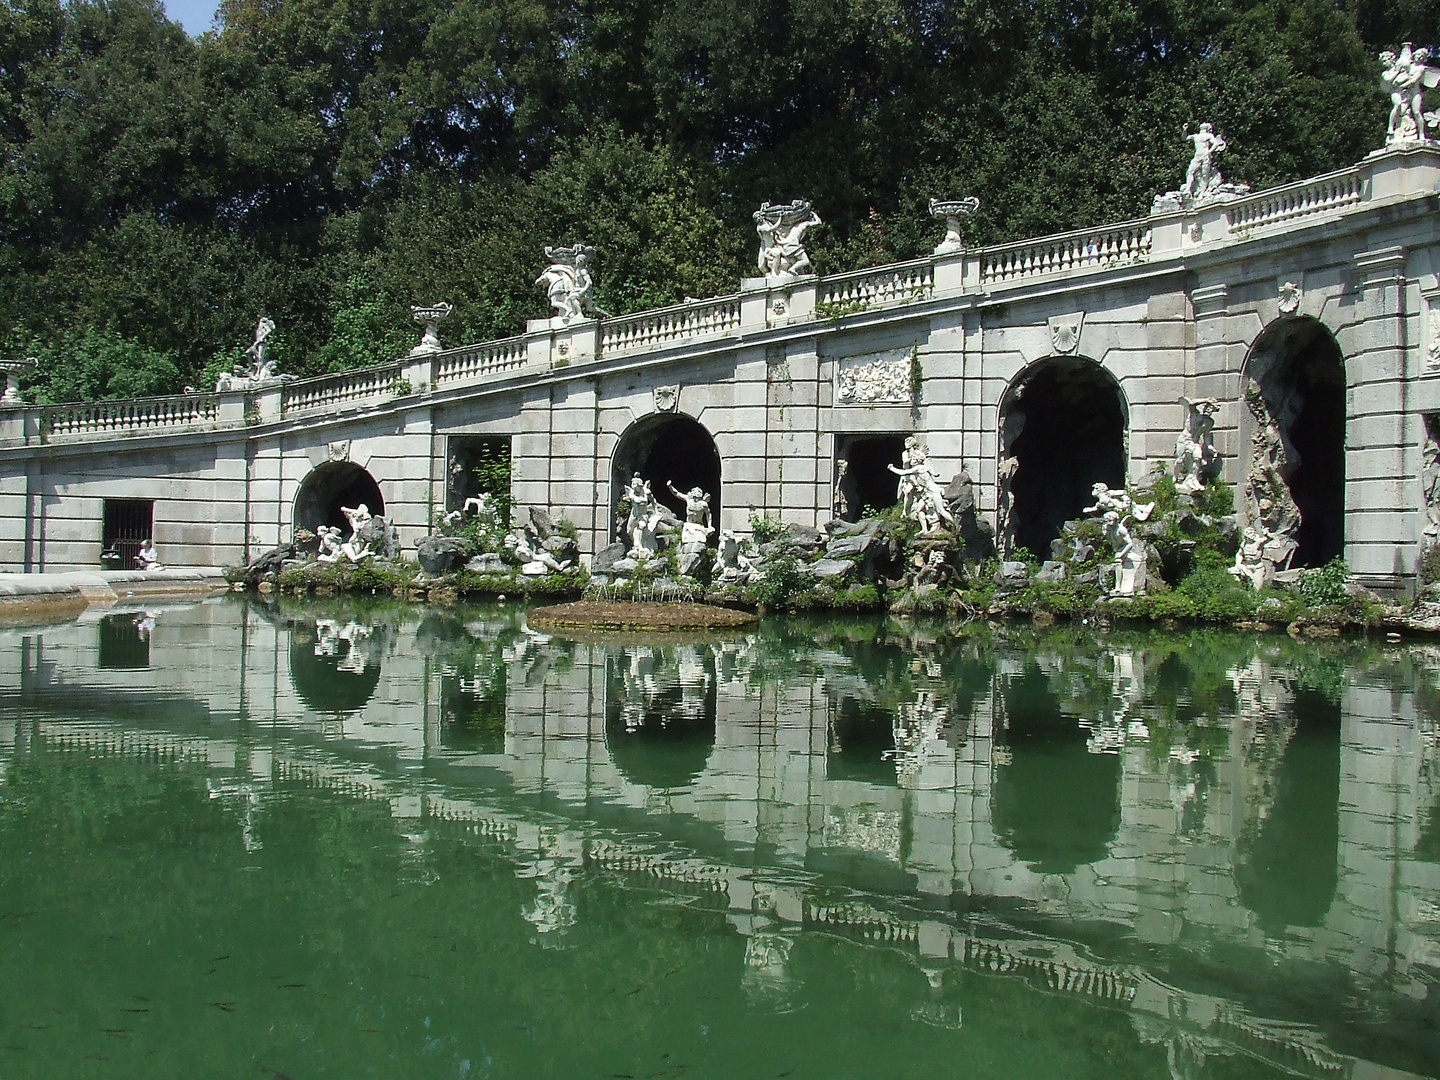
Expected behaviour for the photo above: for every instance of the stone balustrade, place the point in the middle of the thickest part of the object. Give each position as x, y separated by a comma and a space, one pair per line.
107, 418
880, 286
1283, 205
472, 362
1084, 249
679, 322
347, 389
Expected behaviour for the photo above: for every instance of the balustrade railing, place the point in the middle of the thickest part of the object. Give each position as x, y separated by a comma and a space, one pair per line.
1104, 248
1294, 201
876, 287
486, 358
332, 391
135, 414
701, 318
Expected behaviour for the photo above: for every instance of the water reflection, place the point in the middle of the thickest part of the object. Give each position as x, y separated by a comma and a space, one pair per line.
1231, 840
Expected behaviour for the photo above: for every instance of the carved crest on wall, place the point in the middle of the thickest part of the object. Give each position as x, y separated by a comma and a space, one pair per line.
1065, 333
667, 398
1290, 294
874, 380
1432, 347
340, 450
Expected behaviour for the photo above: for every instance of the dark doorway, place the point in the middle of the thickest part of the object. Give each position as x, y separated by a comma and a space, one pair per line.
1063, 425
1301, 376
478, 465
666, 448
125, 641
127, 524
331, 486
864, 480
1055, 804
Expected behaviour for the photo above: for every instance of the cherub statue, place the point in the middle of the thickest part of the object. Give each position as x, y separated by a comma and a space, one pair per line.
1129, 565
782, 234
567, 281
330, 543
1405, 77
1118, 501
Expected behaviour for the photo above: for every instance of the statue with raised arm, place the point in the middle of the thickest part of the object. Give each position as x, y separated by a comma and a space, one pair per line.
696, 529
643, 520
1203, 182
782, 238
261, 369
567, 281
921, 498
1197, 461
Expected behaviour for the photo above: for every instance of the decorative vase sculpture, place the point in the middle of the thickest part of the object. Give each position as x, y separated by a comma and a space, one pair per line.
430, 317
952, 211
13, 369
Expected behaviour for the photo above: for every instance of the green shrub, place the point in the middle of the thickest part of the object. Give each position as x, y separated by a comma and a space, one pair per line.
783, 581
1324, 586
1428, 565
765, 528
1218, 499
1217, 595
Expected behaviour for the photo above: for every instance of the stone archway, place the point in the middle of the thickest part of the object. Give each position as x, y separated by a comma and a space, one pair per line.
1063, 425
331, 486
1300, 373
666, 448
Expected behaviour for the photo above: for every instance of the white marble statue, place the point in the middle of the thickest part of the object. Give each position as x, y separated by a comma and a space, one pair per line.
643, 521
568, 283
330, 539
528, 548
1405, 77
731, 565
1118, 501
430, 317
1128, 568
1196, 459
483, 507
1430, 480
782, 239
922, 500
1272, 517
261, 371
1203, 182
11, 369
696, 529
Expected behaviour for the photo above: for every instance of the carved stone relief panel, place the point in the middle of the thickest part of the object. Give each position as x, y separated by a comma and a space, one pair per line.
874, 379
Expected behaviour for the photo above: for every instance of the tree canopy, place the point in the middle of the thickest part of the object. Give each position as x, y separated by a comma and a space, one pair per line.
330, 162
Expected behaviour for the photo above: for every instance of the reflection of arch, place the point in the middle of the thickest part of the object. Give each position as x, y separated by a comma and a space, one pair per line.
331, 486
1301, 374
1055, 804
1288, 875
332, 674
661, 448
1063, 422
660, 713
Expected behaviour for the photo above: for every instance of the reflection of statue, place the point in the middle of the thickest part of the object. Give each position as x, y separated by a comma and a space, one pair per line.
782, 233
921, 499
567, 281
1196, 459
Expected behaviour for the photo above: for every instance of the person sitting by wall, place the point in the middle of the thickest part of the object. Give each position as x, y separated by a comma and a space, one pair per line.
148, 558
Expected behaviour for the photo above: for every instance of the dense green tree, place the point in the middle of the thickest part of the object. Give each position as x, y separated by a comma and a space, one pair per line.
159, 192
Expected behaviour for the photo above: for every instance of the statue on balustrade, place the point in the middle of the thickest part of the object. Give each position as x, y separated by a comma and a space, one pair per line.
1204, 183
567, 281
782, 239
261, 371
1405, 76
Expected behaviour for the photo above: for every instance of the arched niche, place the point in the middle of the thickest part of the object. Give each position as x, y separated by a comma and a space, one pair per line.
666, 448
331, 486
1299, 369
1054, 804
1063, 428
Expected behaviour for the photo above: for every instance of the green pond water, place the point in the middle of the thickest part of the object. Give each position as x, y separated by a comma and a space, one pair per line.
333, 839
